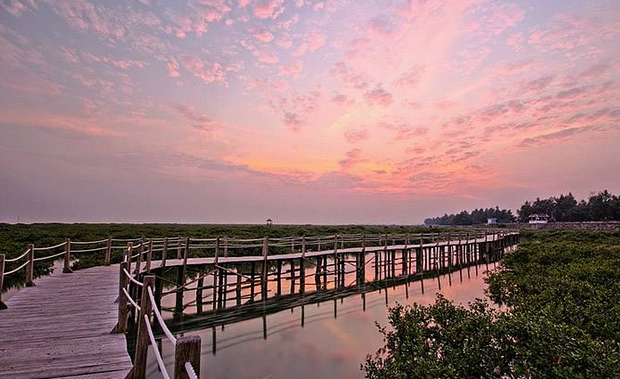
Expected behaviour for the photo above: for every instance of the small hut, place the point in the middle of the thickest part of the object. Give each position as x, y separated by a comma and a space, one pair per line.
269, 222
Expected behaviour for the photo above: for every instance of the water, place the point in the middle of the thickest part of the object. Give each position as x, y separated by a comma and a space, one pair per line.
327, 339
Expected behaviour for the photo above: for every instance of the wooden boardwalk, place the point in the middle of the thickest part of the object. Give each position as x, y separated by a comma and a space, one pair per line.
62, 329
64, 326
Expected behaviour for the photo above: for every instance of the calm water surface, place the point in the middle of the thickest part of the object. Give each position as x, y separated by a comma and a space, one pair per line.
333, 342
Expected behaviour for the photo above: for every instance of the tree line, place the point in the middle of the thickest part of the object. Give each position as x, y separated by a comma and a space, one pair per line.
602, 206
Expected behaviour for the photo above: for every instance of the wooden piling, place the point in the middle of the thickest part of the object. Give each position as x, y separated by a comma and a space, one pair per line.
187, 350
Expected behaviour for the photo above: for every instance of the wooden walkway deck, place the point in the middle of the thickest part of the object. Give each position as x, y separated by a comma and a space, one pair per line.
61, 329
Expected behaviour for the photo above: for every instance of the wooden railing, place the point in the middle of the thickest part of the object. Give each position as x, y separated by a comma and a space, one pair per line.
187, 348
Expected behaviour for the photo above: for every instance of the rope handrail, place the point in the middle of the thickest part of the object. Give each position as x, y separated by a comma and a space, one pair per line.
17, 269
50, 247
158, 358
160, 319
136, 282
130, 299
190, 370
88, 242
18, 258
89, 250
49, 257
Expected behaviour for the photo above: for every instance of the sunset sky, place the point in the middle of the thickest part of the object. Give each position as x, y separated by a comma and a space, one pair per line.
303, 111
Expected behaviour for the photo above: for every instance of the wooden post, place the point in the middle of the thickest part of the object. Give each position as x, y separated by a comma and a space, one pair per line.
108, 251
264, 273
186, 350
30, 266
302, 266
164, 253
149, 256
179, 247
127, 255
123, 280
67, 266
215, 274
142, 339
185, 254
2, 259
225, 246
139, 258
335, 260
362, 262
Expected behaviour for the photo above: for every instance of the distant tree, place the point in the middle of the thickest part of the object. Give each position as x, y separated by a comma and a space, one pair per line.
602, 206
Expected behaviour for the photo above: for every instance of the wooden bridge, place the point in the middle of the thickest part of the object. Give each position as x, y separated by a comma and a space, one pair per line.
74, 325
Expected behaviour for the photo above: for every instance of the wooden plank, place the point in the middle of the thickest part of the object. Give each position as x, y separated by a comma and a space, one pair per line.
61, 329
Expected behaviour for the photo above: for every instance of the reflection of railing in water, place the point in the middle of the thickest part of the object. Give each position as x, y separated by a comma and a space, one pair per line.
262, 308
235, 281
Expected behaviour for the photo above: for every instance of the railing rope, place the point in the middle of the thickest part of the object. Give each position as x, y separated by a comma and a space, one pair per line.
187, 350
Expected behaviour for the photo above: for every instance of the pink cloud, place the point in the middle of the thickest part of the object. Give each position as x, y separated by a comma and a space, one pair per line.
172, 67
404, 131
268, 8
208, 72
263, 35
267, 57
197, 119
353, 157
243, 3
379, 96
411, 77
355, 136
312, 41
292, 69
293, 121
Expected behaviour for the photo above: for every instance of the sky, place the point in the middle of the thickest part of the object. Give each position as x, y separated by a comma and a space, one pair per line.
303, 111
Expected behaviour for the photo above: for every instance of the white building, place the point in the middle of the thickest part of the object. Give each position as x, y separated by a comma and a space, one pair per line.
491, 221
538, 218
